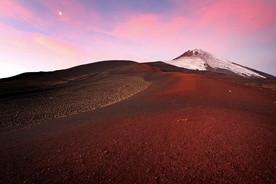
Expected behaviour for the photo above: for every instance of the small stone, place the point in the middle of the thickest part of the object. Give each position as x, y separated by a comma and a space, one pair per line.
105, 152
157, 178
183, 120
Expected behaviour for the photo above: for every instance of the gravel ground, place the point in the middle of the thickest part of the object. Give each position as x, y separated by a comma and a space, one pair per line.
184, 128
84, 95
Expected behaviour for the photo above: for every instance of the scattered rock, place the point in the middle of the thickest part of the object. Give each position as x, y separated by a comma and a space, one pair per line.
183, 120
105, 152
46, 105
157, 178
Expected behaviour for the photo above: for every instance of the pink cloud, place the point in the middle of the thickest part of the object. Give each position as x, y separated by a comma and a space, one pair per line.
73, 20
244, 15
231, 17
74, 16
14, 9
33, 51
154, 32
217, 25
148, 26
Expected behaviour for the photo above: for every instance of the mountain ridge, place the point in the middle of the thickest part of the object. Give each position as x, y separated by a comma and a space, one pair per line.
199, 59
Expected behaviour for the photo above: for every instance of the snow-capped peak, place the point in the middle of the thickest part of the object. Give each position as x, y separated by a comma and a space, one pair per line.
198, 59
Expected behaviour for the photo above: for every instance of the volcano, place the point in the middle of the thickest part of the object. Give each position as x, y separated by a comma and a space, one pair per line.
194, 119
198, 59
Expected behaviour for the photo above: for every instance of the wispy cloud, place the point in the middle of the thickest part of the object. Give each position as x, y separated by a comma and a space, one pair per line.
88, 31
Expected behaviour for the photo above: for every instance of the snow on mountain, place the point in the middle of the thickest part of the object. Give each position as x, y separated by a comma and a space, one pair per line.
197, 59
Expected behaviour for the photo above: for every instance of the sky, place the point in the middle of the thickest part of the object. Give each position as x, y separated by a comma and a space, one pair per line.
46, 35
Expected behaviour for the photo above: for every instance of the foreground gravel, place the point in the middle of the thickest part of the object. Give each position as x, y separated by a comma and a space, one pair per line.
185, 128
81, 96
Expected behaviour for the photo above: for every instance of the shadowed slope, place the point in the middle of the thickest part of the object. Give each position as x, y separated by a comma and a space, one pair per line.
37, 97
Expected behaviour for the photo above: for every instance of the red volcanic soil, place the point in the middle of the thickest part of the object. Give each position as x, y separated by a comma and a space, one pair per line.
185, 128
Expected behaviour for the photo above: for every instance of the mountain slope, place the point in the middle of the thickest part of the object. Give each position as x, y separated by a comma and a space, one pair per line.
37, 97
198, 59
184, 128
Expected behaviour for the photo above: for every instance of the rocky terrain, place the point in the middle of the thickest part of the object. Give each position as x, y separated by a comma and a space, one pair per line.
66, 96
38, 108
182, 127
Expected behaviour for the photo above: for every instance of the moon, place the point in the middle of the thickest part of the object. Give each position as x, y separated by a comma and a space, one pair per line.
60, 13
